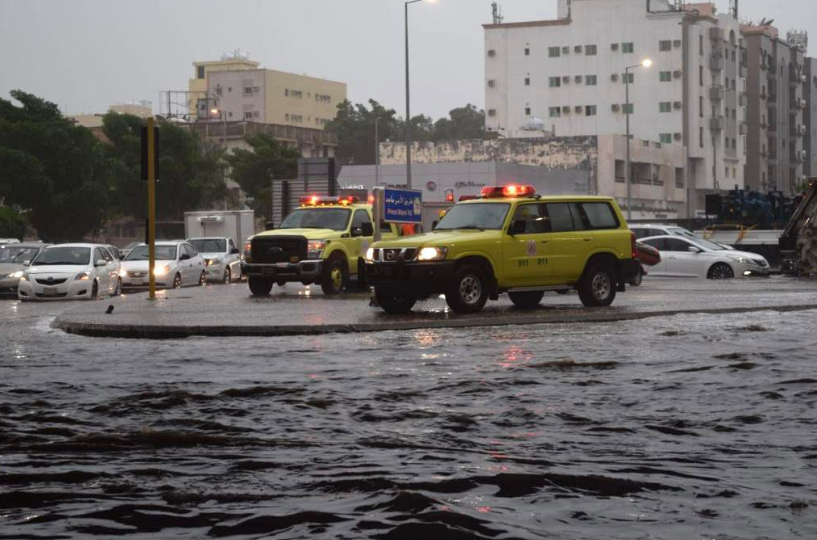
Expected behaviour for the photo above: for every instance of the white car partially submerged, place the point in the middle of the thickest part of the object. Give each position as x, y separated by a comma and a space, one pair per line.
70, 271
695, 257
178, 264
222, 257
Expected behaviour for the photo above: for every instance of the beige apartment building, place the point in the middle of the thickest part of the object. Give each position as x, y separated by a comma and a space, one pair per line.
237, 89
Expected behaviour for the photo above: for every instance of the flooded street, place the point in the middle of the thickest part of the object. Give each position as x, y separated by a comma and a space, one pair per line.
672, 428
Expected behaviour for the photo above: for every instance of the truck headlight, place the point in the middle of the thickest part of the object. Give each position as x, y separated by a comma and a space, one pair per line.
315, 248
432, 254
370, 254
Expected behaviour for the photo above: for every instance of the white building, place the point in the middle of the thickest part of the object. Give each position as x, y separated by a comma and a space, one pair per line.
569, 72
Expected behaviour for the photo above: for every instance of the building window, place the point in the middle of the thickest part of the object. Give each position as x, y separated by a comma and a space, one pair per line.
554, 82
701, 45
665, 45
199, 72
527, 111
297, 118
248, 90
628, 78
527, 51
701, 107
554, 52
665, 107
627, 48
555, 112
590, 110
590, 80
296, 94
218, 90
248, 115
527, 81
701, 137
700, 75
628, 108
590, 50
666, 138
665, 76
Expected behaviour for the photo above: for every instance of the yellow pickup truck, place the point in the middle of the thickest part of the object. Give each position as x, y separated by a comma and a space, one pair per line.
510, 240
323, 241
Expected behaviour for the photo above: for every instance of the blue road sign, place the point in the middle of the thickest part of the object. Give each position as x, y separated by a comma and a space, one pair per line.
402, 206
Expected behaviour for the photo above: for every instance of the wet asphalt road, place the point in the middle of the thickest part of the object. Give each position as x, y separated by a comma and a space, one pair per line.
672, 428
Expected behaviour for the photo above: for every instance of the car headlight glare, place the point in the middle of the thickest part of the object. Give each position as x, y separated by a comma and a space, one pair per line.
432, 254
123, 273
161, 270
738, 258
315, 248
82, 276
370, 254
214, 262
17, 275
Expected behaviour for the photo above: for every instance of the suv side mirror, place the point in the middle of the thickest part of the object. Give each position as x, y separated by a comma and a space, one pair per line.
234, 251
519, 227
367, 229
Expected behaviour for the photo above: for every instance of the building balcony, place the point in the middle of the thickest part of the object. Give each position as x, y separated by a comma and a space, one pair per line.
716, 63
744, 128
717, 123
716, 93
744, 100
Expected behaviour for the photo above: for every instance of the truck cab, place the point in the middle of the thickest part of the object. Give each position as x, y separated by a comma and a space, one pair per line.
321, 242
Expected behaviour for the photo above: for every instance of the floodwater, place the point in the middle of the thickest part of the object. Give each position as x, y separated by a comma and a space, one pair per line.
676, 428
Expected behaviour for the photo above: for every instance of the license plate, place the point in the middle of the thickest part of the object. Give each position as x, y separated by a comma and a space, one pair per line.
281, 265
51, 291
268, 271
136, 282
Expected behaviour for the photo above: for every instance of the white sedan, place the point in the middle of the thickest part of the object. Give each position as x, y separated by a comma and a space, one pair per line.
688, 257
70, 271
178, 264
221, 256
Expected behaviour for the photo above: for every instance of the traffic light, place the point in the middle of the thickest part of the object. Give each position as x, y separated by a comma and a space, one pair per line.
449, 195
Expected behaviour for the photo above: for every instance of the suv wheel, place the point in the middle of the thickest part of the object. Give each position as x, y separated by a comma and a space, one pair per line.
526, 300
228, 276
260, 286
393, 302
598, 286
335, 276
468, 291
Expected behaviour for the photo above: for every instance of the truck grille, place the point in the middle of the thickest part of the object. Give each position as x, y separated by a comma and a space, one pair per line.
278, 249
394, 254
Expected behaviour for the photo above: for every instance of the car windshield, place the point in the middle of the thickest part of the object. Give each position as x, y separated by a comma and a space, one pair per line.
70, 255
706, 244
680, 231
474, 216
210, 245
318, 218
16, 255
163, 253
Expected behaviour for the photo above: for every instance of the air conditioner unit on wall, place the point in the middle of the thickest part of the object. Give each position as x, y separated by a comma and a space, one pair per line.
614, 46
614, 77
677, 73
676, 43
566, 109
577, 108
566, 79
676, 136
491, 53
577, 78
491, 112
565, 50
491, 83
677, 104
615, 107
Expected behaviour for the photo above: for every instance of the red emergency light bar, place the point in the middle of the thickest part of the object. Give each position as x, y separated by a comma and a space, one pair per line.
511, 190
320, 200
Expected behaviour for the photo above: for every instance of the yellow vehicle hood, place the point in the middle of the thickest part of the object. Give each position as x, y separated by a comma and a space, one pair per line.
310, 234
439, 239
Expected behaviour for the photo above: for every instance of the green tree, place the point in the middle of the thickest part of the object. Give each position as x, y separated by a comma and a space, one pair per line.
255, 169
54, 170
462, 123
354, 126
191, 171
12, 224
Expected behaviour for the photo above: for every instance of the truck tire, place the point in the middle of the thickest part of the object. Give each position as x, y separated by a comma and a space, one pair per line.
526, 300
260, 286
393, 302
468, 291
335, 276
597, 287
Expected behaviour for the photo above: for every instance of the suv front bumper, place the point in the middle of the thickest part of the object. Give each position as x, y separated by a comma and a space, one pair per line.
420, 278
304, 271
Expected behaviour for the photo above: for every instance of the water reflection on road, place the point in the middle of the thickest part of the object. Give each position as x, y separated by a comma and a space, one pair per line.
667, 428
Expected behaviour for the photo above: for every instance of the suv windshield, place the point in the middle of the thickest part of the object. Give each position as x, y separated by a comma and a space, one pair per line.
63, 255
16, 255
163, 253
318, 218
474, 216
210, 245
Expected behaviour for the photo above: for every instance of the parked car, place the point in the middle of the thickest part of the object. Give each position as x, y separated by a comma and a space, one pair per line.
70, 271
178, 264
113, 250
4, 241
646, 255
14, 258
127, 249
647, 230
688, 257
222, 257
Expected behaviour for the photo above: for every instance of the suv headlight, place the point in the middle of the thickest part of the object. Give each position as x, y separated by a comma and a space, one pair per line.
370, 254
315, 248
432, 254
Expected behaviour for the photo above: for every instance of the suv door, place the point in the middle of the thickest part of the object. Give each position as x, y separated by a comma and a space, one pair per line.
359, 244
571, 243
525, 255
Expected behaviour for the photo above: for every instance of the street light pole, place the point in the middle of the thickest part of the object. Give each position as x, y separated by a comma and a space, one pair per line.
376, 151
627, 179
408, 96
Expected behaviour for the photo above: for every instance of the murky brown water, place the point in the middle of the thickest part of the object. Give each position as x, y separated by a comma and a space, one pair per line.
678, 428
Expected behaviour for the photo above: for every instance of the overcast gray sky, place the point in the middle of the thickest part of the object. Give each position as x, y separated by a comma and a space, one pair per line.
88, 54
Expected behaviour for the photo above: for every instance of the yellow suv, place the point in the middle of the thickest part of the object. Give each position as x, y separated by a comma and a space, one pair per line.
323, 241
509, 240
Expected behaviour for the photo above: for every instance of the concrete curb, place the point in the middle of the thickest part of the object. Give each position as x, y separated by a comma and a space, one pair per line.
147, 331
